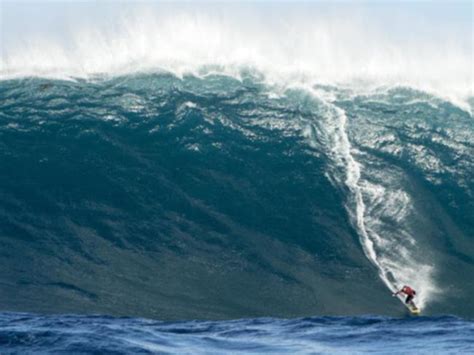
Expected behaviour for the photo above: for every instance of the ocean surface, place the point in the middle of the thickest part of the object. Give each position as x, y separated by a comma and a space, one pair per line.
32, 334
225, 188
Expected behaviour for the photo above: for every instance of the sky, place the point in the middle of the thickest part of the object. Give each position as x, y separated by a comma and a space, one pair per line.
22, 16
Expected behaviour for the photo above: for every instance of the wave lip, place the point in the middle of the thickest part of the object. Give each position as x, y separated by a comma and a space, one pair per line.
286, 45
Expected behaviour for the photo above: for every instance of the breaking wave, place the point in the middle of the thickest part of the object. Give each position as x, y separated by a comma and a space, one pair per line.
191, 192
189, 163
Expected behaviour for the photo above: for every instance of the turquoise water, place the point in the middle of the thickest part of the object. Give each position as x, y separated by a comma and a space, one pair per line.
214, 198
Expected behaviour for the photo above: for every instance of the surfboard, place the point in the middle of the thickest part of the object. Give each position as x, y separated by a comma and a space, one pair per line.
413, 309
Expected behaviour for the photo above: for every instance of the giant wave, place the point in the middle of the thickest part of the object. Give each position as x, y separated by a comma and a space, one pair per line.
215, 197
185, 166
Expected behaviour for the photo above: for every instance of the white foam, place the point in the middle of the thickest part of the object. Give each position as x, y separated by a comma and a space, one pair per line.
286, 44
371, 206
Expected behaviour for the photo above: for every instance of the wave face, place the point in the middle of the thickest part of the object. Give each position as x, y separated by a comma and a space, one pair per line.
22, 332
212, 197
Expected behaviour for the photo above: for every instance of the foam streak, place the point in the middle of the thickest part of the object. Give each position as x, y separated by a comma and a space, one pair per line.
392, 253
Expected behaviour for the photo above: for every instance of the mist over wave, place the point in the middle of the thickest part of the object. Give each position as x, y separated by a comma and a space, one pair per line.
286, 43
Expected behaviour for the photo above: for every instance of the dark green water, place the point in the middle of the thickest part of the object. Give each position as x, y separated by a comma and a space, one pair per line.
216, 198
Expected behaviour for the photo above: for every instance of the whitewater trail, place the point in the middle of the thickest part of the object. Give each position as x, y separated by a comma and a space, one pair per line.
395, 254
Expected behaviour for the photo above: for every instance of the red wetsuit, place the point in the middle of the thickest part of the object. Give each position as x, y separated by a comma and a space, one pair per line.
409, 292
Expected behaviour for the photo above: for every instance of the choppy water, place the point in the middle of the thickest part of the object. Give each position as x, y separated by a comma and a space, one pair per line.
28, 333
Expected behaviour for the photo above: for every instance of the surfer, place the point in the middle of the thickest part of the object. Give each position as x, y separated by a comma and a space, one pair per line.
407, 290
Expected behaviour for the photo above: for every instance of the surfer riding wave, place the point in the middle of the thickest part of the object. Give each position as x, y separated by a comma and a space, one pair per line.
407, 290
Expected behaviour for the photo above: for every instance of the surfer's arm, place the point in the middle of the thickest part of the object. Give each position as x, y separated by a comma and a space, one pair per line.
396, 293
